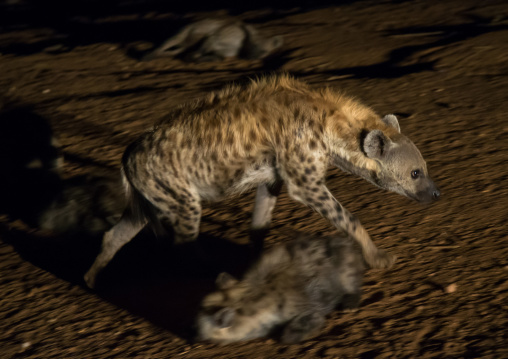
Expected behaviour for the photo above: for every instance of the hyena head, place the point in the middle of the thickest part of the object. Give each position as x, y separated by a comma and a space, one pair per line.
233, 313
257, 47
27, 141
267, 46
402, 168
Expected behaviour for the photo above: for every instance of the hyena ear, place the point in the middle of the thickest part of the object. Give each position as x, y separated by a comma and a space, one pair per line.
225, 280
375, 144
224, 317
391, 120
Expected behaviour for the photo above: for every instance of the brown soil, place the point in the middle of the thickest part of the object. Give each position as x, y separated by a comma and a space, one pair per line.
442, 68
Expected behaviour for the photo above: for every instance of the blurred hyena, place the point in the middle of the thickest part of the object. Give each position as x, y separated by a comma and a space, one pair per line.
26, 141
89, 204
86, 204
274, 130
33, 188
212, 39
291, 288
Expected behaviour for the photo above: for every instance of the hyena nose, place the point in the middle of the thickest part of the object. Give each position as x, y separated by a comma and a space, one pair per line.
436, 194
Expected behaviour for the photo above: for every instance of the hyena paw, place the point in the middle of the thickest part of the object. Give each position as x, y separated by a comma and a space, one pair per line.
382, 260
302, 327
90, 279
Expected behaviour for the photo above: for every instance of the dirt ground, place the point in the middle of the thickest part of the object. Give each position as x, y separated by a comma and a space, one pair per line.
441, 66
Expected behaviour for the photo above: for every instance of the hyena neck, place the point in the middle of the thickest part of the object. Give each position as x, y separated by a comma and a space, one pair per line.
345, 164
346, 128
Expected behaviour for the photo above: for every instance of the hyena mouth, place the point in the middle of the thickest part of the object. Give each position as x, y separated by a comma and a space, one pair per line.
425, 197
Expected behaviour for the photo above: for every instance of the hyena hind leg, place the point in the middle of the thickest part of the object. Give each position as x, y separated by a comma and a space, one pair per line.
183, 216
114, 239
303, 327
266, 198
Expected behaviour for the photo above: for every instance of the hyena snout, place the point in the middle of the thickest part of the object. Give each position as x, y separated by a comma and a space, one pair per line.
436, 193
429, 194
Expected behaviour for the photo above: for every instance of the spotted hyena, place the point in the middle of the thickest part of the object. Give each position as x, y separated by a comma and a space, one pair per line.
292, 288
213, 39
274, 130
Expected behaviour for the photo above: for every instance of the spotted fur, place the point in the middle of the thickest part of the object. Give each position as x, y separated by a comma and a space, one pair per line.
291, 288
274, 130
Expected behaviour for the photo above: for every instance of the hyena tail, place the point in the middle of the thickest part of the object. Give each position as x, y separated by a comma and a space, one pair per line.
139, 209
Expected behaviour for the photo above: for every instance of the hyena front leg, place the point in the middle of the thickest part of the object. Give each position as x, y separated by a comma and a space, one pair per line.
266, 197
114, 239
317, 196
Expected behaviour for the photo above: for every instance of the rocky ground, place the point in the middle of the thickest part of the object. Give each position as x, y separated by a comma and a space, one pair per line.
441, 66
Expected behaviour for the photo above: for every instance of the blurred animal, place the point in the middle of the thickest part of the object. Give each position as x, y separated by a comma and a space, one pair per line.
29, 156
291, 288
32, 188
89, 203
211, 40
274, 130
42, 199
27, 141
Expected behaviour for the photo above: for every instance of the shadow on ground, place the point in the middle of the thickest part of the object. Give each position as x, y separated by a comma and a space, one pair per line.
439, 36
150, 277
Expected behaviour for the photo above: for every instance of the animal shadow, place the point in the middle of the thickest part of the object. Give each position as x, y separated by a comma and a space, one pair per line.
26, 140
30, 160
150, 276
396, 66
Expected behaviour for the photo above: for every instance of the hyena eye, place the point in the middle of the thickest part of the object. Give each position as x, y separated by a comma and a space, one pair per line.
415, 174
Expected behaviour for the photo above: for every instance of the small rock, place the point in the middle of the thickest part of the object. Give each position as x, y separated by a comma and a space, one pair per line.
451, 288
54, 48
